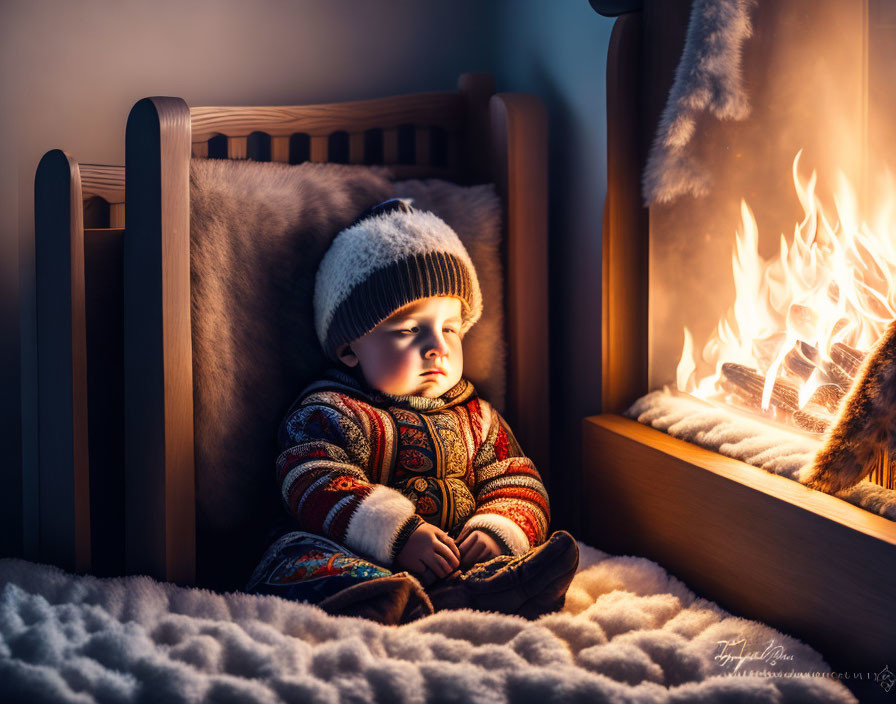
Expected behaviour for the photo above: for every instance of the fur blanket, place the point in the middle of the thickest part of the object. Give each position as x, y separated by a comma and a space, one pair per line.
707, 80
628, 633
258, 231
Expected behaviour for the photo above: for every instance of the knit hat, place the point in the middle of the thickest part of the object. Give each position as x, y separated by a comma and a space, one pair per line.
392, 255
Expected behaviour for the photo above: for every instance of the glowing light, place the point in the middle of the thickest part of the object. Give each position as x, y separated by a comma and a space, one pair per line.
832, 282
686, 366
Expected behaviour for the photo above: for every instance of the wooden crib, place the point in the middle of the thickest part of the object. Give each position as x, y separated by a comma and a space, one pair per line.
117, 491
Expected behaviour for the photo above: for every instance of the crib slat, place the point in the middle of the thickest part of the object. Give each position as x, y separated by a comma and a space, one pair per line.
421, 146
452, 155
320, 148
280, 149
116, 215
236, 147
390, 146
356, 148
200, 150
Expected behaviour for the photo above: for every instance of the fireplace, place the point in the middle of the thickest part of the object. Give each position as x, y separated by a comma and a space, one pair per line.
816, 75
776, 319
770, 262
767, 250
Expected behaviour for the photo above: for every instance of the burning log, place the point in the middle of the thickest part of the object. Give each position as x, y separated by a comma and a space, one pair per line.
801, 360
829, 396
863, 441
811, 422
747, 384
837, 375
847, 359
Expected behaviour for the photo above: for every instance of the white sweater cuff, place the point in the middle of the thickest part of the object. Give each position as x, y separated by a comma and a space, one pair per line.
375, 523
510, 532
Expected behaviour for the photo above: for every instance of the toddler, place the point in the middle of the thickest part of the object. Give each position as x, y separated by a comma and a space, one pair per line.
407, 492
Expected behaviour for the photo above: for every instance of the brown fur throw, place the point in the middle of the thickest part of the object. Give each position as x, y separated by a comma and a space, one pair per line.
863, 439
258, 232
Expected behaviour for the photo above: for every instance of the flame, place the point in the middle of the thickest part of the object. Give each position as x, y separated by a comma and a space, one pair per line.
686, 366
833, 282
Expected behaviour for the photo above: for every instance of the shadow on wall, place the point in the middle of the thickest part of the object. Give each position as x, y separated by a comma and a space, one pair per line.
560, 55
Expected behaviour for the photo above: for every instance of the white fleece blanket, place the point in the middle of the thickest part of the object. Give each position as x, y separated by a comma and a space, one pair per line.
629, 633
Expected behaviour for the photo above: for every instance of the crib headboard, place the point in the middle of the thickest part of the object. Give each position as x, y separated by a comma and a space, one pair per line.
468, 136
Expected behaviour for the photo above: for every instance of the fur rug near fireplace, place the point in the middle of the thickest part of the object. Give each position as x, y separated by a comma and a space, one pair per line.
776, 450
629, 632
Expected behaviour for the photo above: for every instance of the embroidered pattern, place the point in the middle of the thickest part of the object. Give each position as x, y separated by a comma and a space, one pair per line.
307, 567
316, 564
452, 461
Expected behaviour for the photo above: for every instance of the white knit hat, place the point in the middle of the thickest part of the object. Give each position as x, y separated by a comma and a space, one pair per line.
390, 256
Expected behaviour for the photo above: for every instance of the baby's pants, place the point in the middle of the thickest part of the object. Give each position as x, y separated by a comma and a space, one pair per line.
306, 567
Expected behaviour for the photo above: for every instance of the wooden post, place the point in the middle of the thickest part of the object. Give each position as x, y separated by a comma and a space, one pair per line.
64, 478
159, 486
625, 262
520, 165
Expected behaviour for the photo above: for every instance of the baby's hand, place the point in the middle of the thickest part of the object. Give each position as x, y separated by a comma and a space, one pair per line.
478, 547
429, 547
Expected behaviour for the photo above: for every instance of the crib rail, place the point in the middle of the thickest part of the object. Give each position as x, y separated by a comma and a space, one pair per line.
418, 135
440, 109
104, 181
102, 189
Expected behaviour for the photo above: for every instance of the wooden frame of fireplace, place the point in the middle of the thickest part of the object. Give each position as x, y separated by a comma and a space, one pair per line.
762, 546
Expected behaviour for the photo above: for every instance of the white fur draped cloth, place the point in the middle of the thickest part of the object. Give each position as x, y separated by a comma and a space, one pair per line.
629, 633
707, 80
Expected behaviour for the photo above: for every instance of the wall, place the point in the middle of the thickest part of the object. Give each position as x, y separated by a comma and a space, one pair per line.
558, 51
69, 73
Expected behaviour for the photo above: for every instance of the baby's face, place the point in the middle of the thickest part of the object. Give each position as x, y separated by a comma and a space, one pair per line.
415, 351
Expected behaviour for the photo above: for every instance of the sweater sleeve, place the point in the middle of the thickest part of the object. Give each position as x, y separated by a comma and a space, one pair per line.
511, 501
324, 484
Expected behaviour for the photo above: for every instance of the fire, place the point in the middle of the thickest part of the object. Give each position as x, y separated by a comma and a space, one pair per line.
801, 321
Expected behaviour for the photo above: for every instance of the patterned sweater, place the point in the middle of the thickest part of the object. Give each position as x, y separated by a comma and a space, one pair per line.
363, 468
